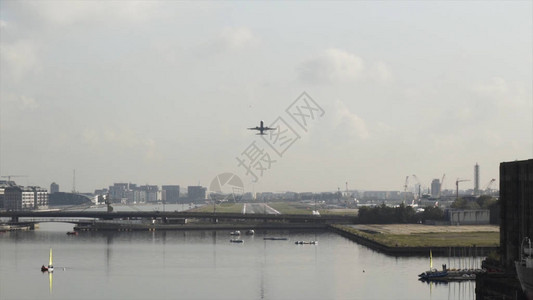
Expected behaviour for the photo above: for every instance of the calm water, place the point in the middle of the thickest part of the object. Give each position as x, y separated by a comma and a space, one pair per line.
205, 265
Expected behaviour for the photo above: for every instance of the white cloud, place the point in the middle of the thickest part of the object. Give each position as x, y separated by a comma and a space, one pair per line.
340, 66
19, 59
349, 122
381, 72
233, 38
22, 102
121, 139
230, 39
503, 93
496, 85
68, 13
463, 113
332, 66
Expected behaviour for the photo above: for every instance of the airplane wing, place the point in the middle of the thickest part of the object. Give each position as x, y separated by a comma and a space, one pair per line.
269, 128
254, 128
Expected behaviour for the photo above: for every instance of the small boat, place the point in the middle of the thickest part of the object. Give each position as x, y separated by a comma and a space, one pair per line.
236, 232
275, 239
250, 232
433, 273
72, 233
236, 241
306, 243
50, 267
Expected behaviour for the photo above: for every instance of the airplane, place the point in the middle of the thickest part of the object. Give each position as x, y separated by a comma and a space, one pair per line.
261, 128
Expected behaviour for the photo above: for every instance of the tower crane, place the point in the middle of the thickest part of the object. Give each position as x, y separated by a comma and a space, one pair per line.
487, 188
457, 187
9, 176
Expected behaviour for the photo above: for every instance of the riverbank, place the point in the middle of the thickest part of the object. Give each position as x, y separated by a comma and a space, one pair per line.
411, 239
122, 226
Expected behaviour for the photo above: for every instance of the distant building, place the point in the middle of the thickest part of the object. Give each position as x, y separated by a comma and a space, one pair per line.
469, 217
25, 198
516, 208
196, 193
3, 185
170, 193
117, 192
61, 198
382, 195
435, 188
54, 188
149, 192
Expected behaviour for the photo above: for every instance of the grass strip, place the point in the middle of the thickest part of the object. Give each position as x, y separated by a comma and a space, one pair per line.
433, 239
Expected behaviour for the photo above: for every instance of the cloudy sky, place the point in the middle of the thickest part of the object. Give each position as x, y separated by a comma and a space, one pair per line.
161, 92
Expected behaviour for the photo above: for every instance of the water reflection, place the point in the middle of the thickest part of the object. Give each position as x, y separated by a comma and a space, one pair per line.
50, 279
186, 263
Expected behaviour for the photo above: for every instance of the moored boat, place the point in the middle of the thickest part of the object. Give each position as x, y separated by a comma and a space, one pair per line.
306, 243
50, 267
433, 273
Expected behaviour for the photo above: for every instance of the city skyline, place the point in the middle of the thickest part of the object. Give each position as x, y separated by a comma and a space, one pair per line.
139, 92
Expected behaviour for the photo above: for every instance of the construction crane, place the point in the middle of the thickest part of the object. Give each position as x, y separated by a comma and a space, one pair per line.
457, 187
487, 187
9, 176
419, 186
406, 184
442, 183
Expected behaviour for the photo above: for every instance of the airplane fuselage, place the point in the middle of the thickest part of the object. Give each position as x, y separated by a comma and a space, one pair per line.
261, 128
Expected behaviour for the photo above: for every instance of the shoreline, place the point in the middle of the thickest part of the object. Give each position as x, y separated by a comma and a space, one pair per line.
342, 230
197, 226
408, 250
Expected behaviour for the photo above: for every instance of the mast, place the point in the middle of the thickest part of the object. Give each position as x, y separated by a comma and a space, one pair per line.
50, 262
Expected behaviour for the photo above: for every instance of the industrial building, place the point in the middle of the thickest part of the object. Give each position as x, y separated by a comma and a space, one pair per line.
170, 193
469, 216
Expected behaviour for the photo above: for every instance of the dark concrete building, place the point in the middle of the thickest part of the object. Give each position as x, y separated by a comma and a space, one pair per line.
54, 188
196, 193
516, 208
170, 193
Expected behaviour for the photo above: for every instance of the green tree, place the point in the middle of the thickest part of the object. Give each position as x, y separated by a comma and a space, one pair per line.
459, 203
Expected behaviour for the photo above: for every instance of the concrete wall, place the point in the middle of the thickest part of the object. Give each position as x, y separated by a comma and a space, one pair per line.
469, 217
516, 208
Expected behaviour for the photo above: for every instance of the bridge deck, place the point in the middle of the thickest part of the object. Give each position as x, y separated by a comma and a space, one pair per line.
186, 215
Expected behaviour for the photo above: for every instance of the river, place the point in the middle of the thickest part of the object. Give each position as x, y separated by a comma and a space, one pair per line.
205, 265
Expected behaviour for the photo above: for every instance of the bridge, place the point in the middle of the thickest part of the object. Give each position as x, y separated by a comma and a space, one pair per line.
84, 216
